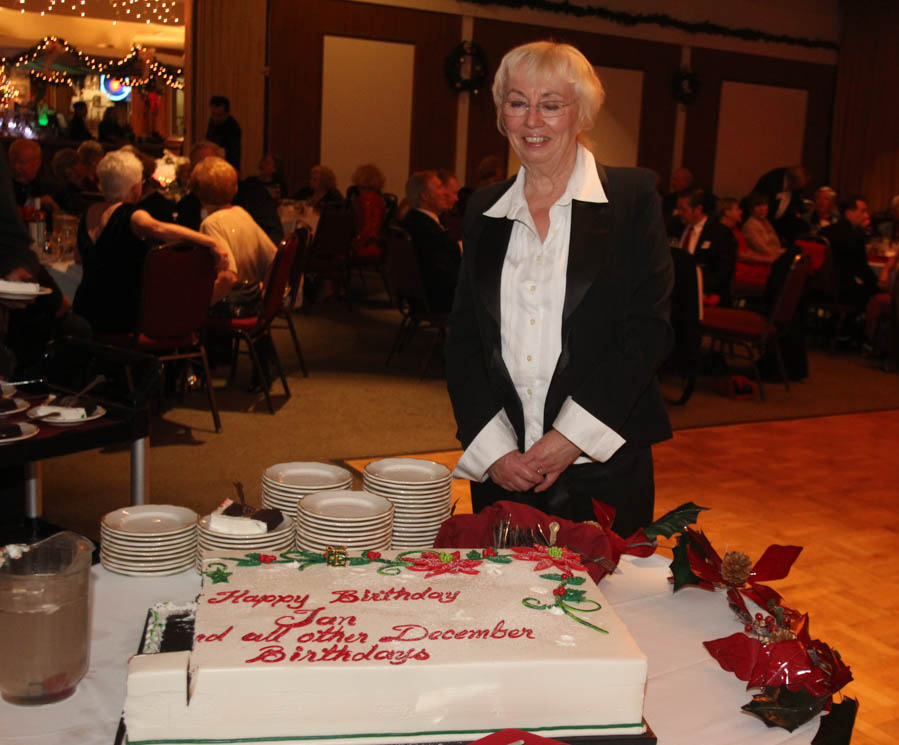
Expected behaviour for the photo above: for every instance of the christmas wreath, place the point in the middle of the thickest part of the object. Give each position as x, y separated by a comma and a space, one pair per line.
454, 65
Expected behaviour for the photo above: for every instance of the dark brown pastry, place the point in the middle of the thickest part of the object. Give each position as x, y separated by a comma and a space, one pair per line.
271, 517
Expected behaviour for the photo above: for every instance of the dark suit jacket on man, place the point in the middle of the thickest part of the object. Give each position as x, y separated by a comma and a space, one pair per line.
853, 279
438, 259
615, 329
716, 254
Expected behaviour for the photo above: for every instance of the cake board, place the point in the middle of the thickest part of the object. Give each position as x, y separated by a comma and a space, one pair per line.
178, 636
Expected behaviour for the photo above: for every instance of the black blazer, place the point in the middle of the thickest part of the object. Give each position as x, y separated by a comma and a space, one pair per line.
615, 329
438, 259
716, 254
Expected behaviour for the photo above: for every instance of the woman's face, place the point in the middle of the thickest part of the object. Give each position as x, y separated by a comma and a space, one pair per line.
540, 139
823, 202
760, 211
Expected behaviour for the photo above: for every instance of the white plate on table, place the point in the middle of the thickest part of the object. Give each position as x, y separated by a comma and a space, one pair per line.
24, 295
21, 405
98, 412
306, 474
342, 506
146, 519
27, 429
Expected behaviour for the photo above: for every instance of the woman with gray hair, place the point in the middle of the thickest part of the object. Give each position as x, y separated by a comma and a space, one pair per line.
560, 319
113, 240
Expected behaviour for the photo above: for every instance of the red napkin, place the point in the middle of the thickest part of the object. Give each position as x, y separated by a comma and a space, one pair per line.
512, 736
590, 541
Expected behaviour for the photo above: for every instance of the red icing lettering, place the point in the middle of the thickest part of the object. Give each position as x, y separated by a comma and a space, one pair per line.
214, 637
274, 653
413, 632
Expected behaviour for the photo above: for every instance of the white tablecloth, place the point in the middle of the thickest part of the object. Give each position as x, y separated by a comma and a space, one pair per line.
689, 699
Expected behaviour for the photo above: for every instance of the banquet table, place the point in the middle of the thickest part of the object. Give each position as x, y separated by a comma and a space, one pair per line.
689, 698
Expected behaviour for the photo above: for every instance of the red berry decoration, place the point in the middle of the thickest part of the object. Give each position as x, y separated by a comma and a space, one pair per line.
267, 558
559, 591
372, 555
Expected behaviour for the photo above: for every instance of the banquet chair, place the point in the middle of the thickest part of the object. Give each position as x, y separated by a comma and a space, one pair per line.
294, 283
177, 284
254, 329
407, 293
829, 315
371, 211
729, 329
331, 248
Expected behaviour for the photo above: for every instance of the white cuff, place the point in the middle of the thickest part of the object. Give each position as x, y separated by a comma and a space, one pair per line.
594, 438
495, 440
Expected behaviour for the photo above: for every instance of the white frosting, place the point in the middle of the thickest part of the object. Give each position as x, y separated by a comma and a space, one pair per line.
301, 649
23, 288
235, 525
61, 413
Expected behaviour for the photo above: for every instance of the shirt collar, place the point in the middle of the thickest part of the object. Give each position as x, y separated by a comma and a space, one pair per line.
583, 185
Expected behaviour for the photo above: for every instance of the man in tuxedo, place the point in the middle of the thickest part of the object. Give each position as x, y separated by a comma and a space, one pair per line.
854, 281
713, 245
438, 254
784, 187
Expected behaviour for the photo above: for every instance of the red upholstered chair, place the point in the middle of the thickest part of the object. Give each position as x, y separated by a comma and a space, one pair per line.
407, 292
295, 281
176, 290
254, 328
730, 329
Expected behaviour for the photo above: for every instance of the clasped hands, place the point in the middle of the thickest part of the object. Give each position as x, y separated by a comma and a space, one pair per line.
538, 468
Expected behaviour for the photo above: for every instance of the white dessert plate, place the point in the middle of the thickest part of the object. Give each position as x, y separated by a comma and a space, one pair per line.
345, 528
20, 405
305, 474
112, 561
278, 486
345, 505
434, 486
282, 526
157, 572
339, 535
407, 470
140, 549
6, 295
156, 519
26, 428
57, 422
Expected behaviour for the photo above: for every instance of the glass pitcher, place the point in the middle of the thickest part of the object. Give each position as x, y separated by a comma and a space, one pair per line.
44, 618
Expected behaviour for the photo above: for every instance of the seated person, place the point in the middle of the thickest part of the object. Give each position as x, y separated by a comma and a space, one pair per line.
451, 218
151, 200
370, 211
889, 227
113, 238
66, 168
214, 181
824, 210
321, 189
271, 176
760, 234
731, 216
110, 129
25, 158
854, 282
713, 245
90, 153
438, 254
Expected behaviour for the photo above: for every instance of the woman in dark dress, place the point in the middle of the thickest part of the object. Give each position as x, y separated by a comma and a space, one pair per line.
113, 239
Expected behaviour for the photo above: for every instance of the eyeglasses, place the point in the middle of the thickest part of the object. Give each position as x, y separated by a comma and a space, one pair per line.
516, 108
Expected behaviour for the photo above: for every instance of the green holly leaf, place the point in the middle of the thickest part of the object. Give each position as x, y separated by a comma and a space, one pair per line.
680, 565
675, 521
575, 596
218, 575
780, 707
249, 560
474, 555
499, 559
575, 580
553, 577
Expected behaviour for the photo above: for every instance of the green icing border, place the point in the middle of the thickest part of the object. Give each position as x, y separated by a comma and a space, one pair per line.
442, 733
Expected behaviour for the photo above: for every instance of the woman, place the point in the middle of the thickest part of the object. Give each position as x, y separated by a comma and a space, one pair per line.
271, 176
369, 212
824, 211
214, 181
322, 188
764, 245
112, 243
560, 319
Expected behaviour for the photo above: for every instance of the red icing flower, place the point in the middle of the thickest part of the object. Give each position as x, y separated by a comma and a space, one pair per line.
560, 590
442, 563
372, 555
489, 552
559, 557
267, 558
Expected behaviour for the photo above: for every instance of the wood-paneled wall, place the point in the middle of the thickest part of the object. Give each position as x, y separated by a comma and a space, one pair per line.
713, 67
297, 33
227, 57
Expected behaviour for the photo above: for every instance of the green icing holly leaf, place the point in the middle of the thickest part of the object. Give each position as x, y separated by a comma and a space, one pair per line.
499, 559
780, 707
575, 580
552, 577
675, 521
680, 565
574, 596
474, 555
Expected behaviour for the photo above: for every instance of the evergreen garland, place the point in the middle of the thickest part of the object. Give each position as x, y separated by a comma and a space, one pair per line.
660, 19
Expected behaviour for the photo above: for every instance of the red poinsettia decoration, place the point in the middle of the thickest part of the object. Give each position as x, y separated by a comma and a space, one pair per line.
442, 563
734, 573
546, 557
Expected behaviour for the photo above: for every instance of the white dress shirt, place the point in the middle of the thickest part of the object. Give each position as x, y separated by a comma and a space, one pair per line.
532, 295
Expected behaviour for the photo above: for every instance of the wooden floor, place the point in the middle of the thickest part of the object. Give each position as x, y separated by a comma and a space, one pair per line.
829, 484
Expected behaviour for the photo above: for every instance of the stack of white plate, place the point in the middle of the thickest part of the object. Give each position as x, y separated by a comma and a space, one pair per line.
284, 484
420, 490
275, 541
148, 540
354, 519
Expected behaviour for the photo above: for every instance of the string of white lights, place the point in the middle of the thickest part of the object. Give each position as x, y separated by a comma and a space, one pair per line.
137, 11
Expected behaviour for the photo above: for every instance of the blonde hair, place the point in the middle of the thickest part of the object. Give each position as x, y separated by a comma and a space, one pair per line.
370, 176
549, 59
214, 181
118, 173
